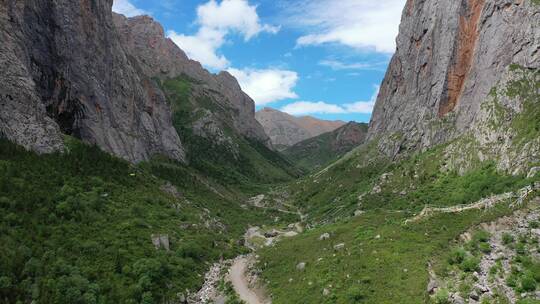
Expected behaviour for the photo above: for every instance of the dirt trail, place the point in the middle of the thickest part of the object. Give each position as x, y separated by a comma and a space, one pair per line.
237, 275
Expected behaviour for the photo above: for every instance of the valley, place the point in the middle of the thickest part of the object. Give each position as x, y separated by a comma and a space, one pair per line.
129, 173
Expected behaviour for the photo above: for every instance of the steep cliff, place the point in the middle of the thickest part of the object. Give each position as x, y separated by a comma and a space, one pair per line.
158, 57
286, 130
450, 56
78, 69
65, 71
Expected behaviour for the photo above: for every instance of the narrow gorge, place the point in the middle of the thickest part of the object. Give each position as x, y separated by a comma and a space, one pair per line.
131, 173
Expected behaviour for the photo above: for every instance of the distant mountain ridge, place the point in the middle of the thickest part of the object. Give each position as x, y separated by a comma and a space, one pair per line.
318, 151
287, 130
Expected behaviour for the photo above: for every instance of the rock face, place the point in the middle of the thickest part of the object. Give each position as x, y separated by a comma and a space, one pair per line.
450, 55
318, 151
78, 69
65, 71
158, 56
286, 130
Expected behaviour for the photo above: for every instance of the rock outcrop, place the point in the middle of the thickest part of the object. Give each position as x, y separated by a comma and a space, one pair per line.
450, 56
79, 69
286, 130
157, 56
66, 72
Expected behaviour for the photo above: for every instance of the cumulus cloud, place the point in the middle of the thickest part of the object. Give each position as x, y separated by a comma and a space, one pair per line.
216, 20
321, 107
361, 24
127, 9
267, 85
338, 65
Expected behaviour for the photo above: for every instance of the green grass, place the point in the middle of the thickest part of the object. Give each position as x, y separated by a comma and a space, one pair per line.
385, 261
527, 88
76, 227
389, 269
250, 165
317, 152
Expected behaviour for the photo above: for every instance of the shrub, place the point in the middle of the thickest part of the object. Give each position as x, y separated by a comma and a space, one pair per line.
470, 264
528, 283
442, 297
355, 294
484, 247
507, 239
457, 256
481, 236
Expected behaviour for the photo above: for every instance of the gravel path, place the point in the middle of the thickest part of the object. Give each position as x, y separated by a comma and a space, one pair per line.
237, 275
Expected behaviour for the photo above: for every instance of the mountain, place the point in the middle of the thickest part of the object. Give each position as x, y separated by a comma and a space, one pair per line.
317, 152
454, 70
450, 167
68, 73
124, 166
214, 118
286, 130
164, 180
92, 75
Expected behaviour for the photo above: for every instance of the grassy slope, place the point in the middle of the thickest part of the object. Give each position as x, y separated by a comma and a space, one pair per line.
389, 269
255, 164
386, 261
317, 152
75, 228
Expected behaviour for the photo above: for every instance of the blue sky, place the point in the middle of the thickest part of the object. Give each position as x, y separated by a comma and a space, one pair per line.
324, 58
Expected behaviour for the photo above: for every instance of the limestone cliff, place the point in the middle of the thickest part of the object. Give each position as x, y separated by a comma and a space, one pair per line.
159, 57
450, 55
75, 68
65, 71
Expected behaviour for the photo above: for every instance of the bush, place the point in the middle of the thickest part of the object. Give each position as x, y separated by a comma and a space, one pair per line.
484, 247
457, 256
355, 294
442, 297
481, 236
528, 283
470, 264
507, 239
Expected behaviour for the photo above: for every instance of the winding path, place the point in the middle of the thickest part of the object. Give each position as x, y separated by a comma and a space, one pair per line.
237, 275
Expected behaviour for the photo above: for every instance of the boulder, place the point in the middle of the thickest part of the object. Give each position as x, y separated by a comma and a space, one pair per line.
160, 241
339, 246
533, 172
271, 234
324, 236
301, 266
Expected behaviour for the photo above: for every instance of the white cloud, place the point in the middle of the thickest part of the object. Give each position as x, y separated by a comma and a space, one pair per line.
216, 21
309, 107
266, 86
320, 107
338, 65
361, 24
127, 9
202, 47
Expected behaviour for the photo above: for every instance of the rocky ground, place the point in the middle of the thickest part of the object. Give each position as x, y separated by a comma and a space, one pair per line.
508, 259
240, 272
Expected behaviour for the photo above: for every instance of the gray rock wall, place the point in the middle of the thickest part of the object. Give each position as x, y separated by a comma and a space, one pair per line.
65, 71
450, 55
158, 56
